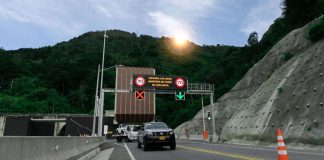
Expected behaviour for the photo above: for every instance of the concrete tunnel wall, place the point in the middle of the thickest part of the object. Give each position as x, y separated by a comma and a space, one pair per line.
21, 125
46, 148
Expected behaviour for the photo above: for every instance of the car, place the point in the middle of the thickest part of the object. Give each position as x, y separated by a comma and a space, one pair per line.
126, 133
155, 134
132, 131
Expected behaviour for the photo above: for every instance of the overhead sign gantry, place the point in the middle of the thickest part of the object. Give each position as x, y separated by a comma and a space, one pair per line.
135, 91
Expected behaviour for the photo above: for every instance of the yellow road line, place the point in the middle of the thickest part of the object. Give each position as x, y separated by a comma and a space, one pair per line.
220, 153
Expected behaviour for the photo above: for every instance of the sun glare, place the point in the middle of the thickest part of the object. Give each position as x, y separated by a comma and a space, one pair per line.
180, 39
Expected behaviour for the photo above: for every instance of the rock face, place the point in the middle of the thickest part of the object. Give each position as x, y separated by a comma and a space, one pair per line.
283, 90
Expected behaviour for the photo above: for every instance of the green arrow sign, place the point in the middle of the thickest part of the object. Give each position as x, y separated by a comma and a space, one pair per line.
180, 96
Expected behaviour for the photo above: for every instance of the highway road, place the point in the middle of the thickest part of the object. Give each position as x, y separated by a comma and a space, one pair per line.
195, 150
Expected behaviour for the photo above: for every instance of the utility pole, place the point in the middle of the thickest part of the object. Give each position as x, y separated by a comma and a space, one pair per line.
96, 105
202, 107
101, 88
213, 115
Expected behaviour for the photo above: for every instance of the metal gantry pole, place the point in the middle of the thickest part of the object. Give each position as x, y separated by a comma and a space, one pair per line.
96, 105
202, 108
213, 117
101, 110
101, 88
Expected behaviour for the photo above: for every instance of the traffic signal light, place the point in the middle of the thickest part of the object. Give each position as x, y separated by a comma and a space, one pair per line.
180, 96
139, 95
209, 115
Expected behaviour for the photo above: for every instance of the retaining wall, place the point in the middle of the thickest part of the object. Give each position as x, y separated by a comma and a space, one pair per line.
46, 148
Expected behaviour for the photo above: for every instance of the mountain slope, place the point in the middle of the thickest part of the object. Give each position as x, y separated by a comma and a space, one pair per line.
62, 78
283, 90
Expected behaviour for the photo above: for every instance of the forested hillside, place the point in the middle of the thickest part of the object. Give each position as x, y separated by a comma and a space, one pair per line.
62, 78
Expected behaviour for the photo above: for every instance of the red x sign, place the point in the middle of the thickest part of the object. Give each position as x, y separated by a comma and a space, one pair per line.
139, 95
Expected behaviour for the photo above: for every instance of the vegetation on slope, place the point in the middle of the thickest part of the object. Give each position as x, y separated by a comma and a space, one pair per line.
62, 78
316, 31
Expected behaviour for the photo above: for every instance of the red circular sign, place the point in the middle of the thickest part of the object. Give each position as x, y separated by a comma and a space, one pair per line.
139, 81
180, 82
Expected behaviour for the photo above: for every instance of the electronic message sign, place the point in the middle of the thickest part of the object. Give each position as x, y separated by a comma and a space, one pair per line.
158, 82
180, 96
139, 95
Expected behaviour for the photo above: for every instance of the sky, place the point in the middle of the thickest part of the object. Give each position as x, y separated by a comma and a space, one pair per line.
38, 23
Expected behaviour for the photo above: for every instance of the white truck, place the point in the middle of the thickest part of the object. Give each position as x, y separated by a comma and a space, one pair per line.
126, 132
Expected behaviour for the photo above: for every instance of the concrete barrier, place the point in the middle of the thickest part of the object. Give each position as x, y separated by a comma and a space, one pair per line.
191, 137
46, 148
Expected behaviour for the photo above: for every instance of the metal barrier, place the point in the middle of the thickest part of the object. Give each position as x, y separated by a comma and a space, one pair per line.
198, 88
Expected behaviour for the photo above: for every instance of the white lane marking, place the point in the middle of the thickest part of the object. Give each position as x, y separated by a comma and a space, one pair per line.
129, 152
275, 150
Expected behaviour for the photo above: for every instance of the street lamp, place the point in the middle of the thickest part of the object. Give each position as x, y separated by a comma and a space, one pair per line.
101, 100
97, 99
118, 65
101, 87
95, 112
99, 103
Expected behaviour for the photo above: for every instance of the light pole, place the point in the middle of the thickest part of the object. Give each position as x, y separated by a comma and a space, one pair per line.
95, 111
100, 105
101, 87
213, 114
119, 65
97, 100
202, 107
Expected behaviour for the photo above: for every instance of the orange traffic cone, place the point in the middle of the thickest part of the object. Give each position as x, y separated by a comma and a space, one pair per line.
205, 135
282, 152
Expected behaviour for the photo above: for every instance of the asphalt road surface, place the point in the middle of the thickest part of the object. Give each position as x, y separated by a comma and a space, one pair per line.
195, 150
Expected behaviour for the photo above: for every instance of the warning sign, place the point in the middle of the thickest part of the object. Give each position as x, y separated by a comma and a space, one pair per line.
139, 81
180, 82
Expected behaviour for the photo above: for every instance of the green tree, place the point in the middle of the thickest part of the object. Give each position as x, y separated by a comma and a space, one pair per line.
300, 12
253, 39
30, 95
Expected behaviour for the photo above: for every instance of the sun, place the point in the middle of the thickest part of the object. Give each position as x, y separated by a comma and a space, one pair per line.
180, 39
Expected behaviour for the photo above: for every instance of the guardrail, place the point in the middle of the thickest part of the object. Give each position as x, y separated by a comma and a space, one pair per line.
200, 88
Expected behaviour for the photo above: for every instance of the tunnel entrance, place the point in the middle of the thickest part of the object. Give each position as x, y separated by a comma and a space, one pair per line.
41, 129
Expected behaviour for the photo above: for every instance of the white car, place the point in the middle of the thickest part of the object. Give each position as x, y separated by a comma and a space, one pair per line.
127, 132
132, 131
